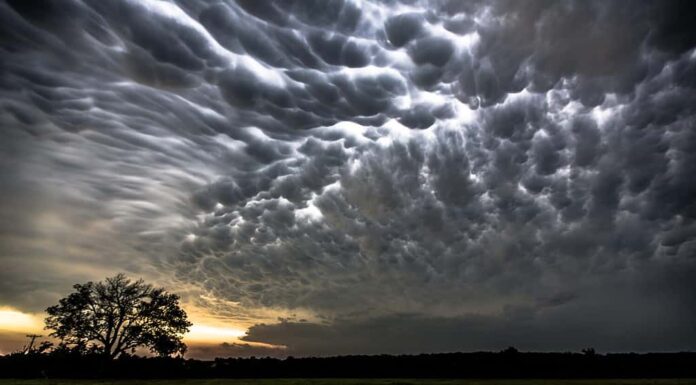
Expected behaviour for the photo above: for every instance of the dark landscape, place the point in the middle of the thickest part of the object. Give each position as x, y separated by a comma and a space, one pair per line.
503, 365
354, 381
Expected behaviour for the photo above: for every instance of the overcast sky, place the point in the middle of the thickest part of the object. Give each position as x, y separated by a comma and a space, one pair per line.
337, 177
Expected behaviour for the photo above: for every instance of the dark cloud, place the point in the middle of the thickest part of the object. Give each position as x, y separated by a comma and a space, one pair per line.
234, 349
431, 50
407, 176
401, 29
565, 322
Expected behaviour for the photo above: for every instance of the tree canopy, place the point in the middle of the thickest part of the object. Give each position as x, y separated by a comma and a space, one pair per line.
118, 315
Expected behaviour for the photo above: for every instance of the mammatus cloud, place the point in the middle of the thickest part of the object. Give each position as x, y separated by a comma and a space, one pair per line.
387, 176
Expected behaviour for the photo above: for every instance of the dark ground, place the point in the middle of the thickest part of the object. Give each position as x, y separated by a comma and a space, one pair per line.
350, 381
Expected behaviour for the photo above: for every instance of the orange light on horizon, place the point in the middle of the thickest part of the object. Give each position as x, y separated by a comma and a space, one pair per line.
16, 321
13, 320
207, 333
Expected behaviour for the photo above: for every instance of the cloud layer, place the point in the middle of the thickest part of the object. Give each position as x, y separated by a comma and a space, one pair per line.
391, 176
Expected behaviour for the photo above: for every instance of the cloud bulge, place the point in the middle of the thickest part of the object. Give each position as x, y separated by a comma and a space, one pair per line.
396, 176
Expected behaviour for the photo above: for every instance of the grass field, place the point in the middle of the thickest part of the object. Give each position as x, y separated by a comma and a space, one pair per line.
347, 381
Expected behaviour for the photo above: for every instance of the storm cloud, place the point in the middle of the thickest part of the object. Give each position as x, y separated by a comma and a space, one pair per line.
396, 176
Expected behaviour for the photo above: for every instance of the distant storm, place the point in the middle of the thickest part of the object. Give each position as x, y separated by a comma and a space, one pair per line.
357, 177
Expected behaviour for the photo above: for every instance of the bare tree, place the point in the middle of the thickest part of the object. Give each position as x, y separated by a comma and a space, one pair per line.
118, 315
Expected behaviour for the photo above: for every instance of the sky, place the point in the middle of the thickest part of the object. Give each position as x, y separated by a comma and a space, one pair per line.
357, 177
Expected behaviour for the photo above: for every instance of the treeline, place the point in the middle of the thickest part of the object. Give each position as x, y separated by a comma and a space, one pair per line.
506, 364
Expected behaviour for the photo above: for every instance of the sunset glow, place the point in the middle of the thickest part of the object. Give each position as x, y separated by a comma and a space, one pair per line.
206, 333
12, 320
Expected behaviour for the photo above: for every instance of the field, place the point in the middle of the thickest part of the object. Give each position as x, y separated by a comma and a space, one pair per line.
344, 381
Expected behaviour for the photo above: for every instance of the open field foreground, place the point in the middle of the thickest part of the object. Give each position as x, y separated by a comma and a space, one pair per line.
357, 381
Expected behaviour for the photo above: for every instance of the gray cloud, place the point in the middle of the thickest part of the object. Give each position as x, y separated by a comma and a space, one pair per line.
602, 315
234, 349
502, 173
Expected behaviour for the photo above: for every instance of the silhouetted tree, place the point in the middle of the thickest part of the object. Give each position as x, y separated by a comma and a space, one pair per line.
589, 352
118, 315
510, 350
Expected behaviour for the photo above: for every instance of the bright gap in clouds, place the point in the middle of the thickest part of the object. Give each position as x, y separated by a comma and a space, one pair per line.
15, 321
207, 333
12, 320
